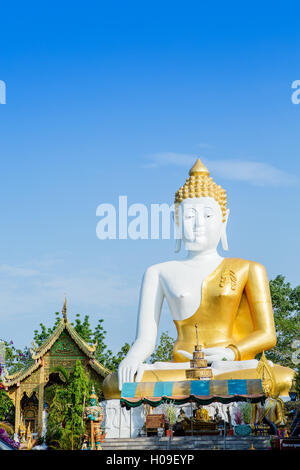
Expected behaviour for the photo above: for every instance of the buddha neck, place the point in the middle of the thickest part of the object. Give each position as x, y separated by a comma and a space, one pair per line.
207, 256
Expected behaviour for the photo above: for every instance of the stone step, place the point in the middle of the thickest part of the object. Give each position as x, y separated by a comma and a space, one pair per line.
187, 443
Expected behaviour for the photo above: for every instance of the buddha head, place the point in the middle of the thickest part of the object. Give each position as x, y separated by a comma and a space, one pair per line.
200, 212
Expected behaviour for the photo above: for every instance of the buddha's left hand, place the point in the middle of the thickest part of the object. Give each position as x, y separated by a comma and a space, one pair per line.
218, 354
213, 354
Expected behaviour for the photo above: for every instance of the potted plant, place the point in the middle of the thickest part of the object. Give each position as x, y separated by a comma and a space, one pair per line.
170, 412
242, 419
142, 431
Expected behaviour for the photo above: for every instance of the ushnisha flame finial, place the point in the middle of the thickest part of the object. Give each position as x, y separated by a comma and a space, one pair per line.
64, 310
199, 169
200, 184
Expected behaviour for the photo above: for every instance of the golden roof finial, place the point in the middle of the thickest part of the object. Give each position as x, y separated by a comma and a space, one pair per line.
64, 310
199, 169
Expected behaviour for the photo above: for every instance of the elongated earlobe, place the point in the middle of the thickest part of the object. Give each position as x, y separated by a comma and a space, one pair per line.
177, 231
224, 233
178, 245
224, 240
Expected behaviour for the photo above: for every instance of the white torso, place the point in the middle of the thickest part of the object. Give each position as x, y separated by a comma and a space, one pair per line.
182, 282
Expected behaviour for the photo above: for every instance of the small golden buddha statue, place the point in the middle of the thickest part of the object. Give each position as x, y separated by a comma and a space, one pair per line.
182, 416
29, 437
273, 408
228, 298
201, 414
22, 430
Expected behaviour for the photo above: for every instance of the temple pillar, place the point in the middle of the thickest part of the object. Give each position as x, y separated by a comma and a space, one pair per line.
17, 409
41, 400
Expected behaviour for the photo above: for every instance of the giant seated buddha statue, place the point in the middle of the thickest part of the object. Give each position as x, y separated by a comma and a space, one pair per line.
229, 299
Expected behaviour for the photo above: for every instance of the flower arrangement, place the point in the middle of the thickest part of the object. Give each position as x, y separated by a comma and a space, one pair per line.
5, 438
238, 418
246, 410
170, 412
242, 419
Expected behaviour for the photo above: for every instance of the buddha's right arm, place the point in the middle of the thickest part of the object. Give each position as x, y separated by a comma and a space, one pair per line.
151, 299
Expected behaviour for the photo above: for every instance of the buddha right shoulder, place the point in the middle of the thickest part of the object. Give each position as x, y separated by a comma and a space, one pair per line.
161, 269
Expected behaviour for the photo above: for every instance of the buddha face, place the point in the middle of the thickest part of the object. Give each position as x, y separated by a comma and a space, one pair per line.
201, 223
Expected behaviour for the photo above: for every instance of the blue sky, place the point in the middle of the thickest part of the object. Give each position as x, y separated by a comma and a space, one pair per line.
118, 98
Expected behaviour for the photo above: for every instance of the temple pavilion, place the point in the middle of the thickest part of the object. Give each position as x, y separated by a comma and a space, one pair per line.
26, 387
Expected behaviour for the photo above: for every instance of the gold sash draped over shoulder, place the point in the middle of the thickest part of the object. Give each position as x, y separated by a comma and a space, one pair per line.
235, 311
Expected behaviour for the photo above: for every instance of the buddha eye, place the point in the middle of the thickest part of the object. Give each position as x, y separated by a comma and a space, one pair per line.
189, 216
208, 213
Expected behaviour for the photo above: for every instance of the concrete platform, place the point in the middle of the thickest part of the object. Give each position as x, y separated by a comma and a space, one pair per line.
187, 443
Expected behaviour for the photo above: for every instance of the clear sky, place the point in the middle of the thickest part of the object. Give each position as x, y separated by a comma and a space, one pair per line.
119, 98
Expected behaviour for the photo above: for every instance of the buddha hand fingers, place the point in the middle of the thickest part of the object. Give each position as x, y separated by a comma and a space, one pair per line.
140, 373
185, 354
212, 358
127, 375
120, 379
213, 351
123, 375
131, 374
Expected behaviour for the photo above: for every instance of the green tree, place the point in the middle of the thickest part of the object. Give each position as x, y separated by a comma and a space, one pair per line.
65, 419
103, 354
15, 359
55, 424
164, 349
91, 336
286, 306
83, 328
76, 393
114, 361
6, 406
40, 336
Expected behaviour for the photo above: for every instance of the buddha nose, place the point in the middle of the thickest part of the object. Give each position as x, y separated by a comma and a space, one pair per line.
199, 219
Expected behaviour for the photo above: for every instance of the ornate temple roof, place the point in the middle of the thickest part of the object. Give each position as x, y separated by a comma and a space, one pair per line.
37, 353
11, 379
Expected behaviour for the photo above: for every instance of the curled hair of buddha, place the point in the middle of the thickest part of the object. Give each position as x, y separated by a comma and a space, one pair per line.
200, 184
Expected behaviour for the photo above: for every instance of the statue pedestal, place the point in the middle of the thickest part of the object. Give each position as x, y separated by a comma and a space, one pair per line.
120, 422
